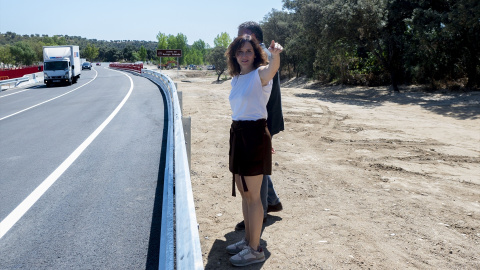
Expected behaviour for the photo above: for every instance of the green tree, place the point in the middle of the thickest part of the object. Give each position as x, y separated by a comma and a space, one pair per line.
6, 56
128, 53
200, 47
171, 45
23, 53
135, 57
284, 28
114, 48
376, 25
463, 26
192, 57
199, 58
181, 43
441, 42
222, 40
217, 58
59, 40
37, 47
172, 42
110, 54
48, 41
162, 44
142, 54
279, 26
90, 52
151, 54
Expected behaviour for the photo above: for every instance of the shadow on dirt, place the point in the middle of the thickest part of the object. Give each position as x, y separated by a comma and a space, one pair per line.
219, 259
220, 81
459, 105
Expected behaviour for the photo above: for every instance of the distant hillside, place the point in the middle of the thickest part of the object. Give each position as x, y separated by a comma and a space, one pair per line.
111, 51
10, 38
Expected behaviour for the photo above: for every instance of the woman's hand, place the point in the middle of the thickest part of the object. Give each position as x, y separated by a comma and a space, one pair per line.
268, 72
275, 48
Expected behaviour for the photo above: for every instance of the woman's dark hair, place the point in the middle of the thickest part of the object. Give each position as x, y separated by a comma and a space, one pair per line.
260, 56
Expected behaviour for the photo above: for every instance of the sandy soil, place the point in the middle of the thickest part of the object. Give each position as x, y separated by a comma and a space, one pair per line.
368, 179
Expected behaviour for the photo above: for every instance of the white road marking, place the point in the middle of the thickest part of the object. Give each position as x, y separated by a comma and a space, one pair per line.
36, 105
24, 206
28, 89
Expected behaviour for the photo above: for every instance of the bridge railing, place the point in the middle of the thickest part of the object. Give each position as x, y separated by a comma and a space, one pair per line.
179, 222
18, 72
128, 66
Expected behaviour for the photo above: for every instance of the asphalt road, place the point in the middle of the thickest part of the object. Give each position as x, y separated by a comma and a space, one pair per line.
79, 171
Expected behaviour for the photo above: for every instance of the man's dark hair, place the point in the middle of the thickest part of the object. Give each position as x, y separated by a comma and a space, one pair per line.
254, 27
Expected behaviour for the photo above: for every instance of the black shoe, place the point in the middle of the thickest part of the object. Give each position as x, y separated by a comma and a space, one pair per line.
241, 225
275, 208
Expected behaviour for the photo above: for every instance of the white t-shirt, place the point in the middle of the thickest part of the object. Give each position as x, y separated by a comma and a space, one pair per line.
248, 98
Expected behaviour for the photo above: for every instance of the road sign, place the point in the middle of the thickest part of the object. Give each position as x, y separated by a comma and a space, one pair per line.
169, 53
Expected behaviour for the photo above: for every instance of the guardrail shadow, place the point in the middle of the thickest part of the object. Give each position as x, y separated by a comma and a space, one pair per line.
218, 258
156, 223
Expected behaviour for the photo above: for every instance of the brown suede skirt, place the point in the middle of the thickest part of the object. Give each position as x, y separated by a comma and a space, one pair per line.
250, 151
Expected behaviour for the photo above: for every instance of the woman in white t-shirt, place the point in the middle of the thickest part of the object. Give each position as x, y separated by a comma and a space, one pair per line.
250, 155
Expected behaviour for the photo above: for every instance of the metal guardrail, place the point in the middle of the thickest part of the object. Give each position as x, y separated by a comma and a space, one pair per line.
16, 81
179, 222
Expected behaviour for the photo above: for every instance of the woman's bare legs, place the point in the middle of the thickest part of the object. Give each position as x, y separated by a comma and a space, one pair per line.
252, 208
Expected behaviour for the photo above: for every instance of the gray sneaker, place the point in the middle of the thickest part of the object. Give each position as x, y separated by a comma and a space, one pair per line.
237, 247
248, 256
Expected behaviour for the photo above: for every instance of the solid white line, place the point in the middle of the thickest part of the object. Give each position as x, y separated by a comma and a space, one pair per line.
28, 89
49, 99
23, 207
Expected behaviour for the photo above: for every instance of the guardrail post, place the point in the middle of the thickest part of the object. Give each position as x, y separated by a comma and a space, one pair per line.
187, 127
180, 99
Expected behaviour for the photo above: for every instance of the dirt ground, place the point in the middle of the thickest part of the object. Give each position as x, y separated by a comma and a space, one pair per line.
368, 179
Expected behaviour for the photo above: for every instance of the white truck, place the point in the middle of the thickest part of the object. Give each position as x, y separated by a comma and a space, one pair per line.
61, 64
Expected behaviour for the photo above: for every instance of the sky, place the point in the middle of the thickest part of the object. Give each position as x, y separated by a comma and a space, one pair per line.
132, 20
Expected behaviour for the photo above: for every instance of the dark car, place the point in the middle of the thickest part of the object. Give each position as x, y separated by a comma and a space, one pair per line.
86, 65
98, 64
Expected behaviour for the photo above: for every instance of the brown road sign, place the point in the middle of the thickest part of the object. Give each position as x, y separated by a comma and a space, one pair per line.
169, 53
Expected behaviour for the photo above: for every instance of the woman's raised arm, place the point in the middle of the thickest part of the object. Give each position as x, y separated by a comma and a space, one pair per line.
267, 72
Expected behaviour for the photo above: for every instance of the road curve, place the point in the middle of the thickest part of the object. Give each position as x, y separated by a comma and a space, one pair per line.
101, 211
